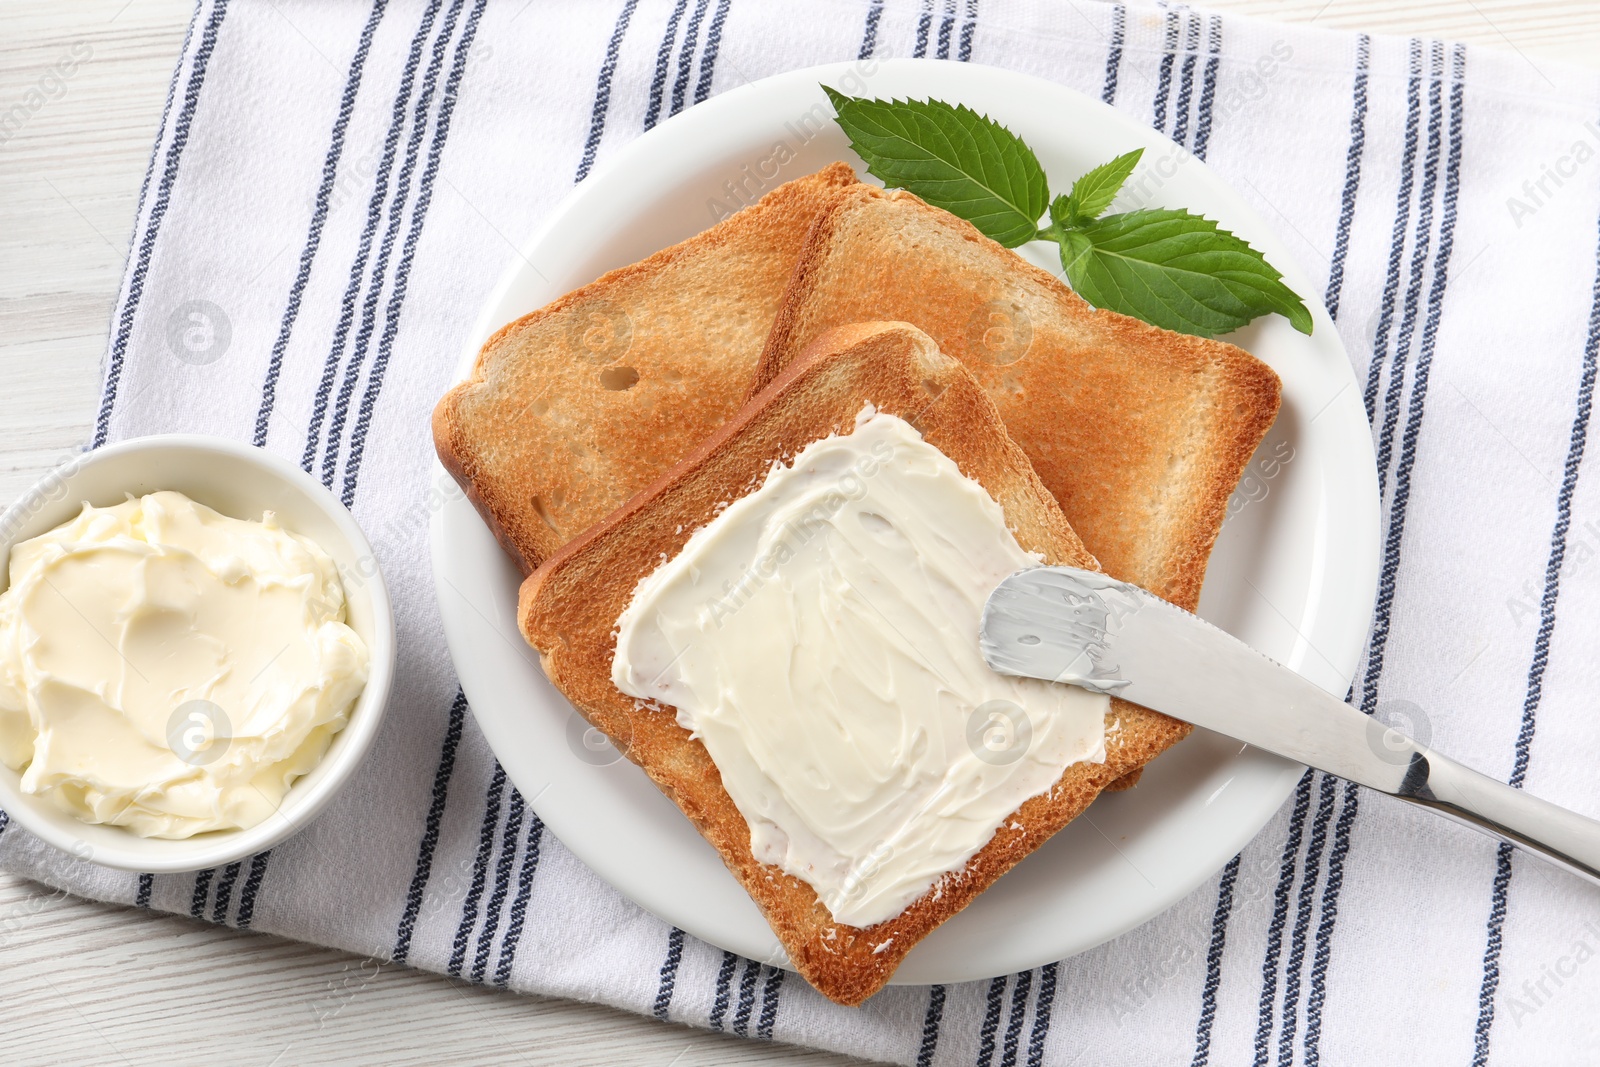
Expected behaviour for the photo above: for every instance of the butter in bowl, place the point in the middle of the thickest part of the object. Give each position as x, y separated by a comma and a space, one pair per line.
196, 646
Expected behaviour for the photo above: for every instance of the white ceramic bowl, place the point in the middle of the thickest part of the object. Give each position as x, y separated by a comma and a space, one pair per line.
240, 481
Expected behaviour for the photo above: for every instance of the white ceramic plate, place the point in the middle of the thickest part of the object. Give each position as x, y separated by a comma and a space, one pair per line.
1292, 574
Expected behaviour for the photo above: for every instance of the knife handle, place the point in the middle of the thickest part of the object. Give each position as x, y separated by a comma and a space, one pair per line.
1551, 832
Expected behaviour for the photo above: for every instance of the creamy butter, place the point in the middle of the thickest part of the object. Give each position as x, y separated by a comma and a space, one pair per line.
820, 637
169, 669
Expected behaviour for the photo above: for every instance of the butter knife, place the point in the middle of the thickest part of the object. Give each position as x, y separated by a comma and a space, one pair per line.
1068, 625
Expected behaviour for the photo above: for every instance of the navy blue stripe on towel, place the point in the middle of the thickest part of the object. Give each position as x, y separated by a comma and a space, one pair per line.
1402, 493
1019, 1013
397, 298
691, 40
1380, 341
1043, 1005
1577, 440
1164, 79
947, 25
1191, 53
1397, 240
358, 267
202, 890
502, 885
968, 28
1489, 984
708, 59
1302, 919
252, 886
1410, 306
340, 411
658, 84
319, 215
869, 33
747, 997
419, 215
1352, 176
1119, 31
1208, 89
158, 211
930, 1026
480, 870
423, 869
991, 1021
516, 806
1280, 916
719, 1003
230, 875
769, 1003
1219, 942
519, 906
166, 111
669, 973
602, 90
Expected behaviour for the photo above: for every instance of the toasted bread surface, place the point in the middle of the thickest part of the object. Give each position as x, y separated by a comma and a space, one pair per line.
1141, 433
569, 609
571, 409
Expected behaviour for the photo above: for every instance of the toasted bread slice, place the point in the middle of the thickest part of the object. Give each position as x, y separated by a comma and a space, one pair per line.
1139, 432
572, 409
569, 609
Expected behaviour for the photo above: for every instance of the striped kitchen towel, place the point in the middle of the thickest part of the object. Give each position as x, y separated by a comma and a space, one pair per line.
338, 185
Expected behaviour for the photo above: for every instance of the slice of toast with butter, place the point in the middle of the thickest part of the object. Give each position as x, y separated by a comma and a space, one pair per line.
573, 607
573, 408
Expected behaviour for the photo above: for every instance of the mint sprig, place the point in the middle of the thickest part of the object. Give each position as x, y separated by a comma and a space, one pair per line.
1167, 267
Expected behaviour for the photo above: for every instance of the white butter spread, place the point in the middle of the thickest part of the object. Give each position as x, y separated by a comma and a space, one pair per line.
169, 669
820, 637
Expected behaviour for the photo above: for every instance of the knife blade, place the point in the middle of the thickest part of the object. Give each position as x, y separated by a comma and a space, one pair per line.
1084, 628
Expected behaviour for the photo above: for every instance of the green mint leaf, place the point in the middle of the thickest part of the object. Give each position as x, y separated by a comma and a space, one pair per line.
1175, 270
1093, 193
953, 158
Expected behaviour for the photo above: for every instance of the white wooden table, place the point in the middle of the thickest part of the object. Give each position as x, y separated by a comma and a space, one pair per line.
88, 983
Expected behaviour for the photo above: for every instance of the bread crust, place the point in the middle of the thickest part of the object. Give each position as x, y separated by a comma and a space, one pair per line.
569, 606
572, 408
